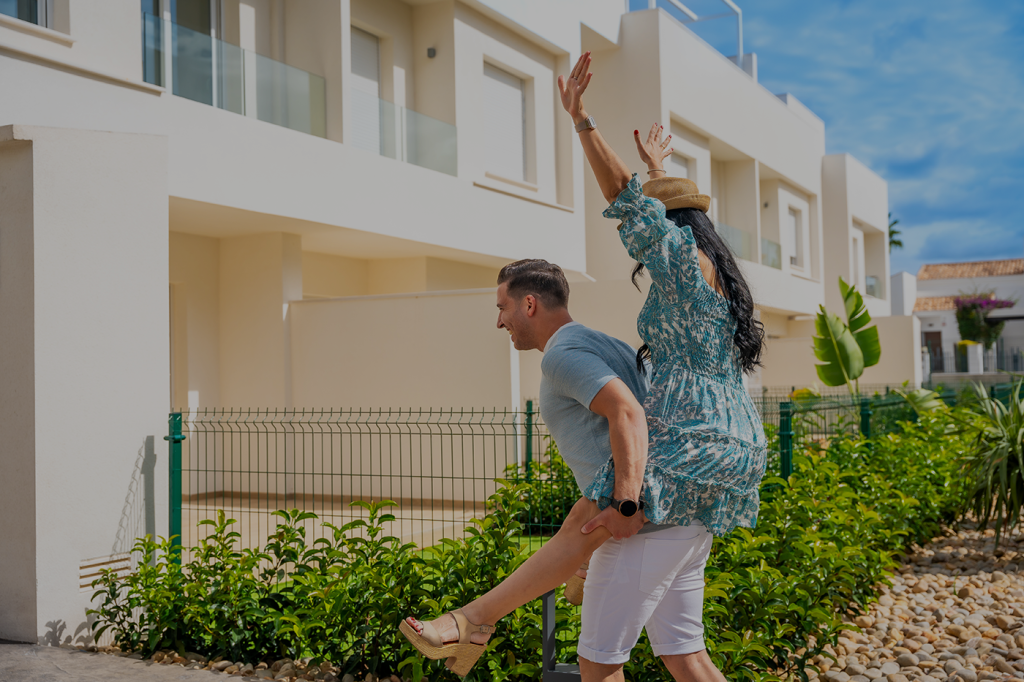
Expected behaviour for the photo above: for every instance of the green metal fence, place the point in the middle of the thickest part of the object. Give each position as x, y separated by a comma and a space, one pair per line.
439, 466
793, 423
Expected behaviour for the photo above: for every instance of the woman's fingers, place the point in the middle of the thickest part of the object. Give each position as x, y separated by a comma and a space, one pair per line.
667, 140
586, 81
639, 145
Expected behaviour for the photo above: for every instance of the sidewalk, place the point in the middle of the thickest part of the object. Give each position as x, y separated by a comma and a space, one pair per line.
31, 663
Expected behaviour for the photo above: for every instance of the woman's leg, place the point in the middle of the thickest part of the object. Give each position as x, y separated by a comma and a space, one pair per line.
549, 567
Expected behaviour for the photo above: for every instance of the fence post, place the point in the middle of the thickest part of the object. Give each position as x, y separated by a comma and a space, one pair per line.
786, 439
529, 439
550, 670
174, 439
865, 417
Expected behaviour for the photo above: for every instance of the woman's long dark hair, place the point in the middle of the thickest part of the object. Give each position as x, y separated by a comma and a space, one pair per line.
749, 336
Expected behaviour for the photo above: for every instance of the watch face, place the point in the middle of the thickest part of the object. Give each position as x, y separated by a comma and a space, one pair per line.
627, 507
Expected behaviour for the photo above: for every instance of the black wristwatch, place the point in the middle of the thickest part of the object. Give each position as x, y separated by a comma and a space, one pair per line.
626, 507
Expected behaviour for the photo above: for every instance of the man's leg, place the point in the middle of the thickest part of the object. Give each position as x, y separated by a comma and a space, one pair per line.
676, 626
695, 667
550, 566
600, 672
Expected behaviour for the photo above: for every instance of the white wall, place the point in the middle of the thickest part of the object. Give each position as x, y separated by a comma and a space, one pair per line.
89, 375
854, 198
903, 288
790, 361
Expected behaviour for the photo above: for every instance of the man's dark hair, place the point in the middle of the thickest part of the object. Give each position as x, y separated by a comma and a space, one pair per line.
542, 279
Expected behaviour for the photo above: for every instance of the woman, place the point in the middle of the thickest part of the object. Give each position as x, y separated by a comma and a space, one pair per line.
707, 447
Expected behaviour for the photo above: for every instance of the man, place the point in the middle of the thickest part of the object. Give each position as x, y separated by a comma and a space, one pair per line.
591, 393
591, 398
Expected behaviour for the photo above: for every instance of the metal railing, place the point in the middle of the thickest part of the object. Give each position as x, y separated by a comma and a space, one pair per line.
818, 419
994, 360
439, 466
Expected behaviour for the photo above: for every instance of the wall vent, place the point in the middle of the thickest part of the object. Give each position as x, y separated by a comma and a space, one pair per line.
90, 569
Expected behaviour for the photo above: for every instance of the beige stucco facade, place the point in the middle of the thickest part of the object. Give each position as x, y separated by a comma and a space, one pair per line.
163, 252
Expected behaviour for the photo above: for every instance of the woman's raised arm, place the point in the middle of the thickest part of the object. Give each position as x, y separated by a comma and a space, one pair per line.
612, 173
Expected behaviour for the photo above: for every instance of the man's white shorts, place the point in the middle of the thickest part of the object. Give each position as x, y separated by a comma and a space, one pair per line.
652, 580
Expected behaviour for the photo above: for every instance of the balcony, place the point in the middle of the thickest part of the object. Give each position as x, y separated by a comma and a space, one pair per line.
873, 287
771, 254
403, 134
740, 242
204, 69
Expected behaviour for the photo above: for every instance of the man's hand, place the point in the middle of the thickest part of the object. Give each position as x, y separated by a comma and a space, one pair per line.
618, 525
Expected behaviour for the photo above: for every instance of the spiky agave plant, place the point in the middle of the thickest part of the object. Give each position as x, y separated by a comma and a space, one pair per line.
995, 468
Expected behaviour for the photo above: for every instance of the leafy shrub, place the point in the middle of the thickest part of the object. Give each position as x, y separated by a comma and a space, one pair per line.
995, 467
551, 491
774, 598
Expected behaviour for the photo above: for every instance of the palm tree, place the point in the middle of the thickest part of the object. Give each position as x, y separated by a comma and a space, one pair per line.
894, 241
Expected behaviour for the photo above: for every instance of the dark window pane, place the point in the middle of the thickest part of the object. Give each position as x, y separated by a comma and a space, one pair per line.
26, 10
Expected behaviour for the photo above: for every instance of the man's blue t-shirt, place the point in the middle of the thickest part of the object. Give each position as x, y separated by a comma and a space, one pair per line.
577, 364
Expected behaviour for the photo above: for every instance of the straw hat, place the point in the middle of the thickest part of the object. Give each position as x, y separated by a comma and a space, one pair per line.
677, 193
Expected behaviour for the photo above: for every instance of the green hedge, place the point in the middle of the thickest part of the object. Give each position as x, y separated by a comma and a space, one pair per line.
775, 595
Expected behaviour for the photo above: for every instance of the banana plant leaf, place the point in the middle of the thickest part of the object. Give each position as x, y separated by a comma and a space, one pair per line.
836, 347
923, 400
858, 318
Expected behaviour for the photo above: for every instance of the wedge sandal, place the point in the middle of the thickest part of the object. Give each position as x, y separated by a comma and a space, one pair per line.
462, 655
574, 587
574, 590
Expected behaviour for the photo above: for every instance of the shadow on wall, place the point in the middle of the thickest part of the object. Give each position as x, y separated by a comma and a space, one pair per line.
138, 518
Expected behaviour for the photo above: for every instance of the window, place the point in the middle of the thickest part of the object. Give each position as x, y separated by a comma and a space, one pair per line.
366, 108
857, 257
504, 108
32, 11
677, 166
793, 238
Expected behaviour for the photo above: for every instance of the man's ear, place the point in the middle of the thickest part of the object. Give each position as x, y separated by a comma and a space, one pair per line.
531, 305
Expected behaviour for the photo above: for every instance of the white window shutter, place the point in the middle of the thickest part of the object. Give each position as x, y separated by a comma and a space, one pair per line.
504, 107
365, 90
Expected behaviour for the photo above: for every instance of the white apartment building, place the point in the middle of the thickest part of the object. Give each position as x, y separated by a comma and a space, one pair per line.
305, 203
930, 297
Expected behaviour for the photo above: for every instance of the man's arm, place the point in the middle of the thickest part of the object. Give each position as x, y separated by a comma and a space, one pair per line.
627, 430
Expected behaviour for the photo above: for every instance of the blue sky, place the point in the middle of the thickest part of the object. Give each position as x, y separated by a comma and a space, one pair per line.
927, 93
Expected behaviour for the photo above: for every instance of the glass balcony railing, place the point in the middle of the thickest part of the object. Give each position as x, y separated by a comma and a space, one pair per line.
873, 286
740, 242
771, 254
403, 134
207, 70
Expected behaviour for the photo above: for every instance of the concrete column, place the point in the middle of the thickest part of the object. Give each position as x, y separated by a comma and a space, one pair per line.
259, 275
85, 390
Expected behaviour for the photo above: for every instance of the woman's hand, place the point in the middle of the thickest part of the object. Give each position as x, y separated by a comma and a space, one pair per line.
653, 152
572, 90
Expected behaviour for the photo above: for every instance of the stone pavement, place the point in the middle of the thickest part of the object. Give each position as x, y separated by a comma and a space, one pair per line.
31, 663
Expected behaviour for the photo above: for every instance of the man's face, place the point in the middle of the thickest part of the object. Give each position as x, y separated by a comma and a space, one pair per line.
513, 318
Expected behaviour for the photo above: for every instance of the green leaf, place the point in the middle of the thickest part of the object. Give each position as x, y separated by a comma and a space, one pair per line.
837, 349
923, 400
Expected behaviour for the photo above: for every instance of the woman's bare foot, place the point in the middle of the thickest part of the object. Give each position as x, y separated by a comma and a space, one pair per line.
448, 629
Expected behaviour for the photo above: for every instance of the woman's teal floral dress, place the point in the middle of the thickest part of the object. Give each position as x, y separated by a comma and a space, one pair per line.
707, 446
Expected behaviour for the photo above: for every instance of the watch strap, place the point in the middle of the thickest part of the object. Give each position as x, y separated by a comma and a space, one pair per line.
586, 124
